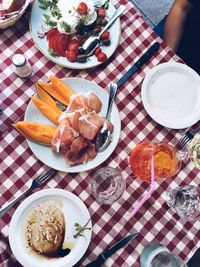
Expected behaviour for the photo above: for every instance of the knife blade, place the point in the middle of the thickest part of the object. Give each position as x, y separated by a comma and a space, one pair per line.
108, 252
141, 61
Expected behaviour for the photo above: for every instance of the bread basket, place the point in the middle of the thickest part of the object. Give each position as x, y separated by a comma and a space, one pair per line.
9, 21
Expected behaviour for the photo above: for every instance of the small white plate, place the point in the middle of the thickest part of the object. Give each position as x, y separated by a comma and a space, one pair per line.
58, 162
41, 43
74, 211
171, 95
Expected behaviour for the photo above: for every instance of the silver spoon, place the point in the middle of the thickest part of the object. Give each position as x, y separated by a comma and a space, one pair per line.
93, 41
104, 138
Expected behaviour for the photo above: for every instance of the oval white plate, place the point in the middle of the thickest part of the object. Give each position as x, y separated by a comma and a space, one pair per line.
171, 95
74, 211
41, 43
57, 162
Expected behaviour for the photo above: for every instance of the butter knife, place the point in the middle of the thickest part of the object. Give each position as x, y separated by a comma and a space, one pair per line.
108, 252
138, 64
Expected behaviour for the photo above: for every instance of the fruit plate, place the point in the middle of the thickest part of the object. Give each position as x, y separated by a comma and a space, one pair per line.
57, 162
42, 44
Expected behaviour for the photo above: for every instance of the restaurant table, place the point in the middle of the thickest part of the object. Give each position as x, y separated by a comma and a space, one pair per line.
155, 220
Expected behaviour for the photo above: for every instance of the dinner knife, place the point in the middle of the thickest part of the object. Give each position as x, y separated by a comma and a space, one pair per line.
141, 61
108, 252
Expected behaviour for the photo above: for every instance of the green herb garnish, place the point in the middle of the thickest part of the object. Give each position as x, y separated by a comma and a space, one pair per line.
80, 229
52, 52
48, 21
55, 11
44, 4
106, 5
64, 25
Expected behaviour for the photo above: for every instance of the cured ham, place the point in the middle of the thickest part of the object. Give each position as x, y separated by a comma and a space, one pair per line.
90, 124
78, 127
63, 137
73, 117
89, 101
85, 154
92, 102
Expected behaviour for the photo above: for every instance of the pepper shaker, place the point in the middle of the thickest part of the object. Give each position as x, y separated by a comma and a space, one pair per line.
21, 66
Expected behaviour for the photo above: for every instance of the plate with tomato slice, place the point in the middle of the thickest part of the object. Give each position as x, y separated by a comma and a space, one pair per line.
64, 49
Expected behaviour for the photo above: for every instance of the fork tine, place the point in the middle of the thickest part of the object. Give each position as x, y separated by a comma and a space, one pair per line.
45, 175
183, 140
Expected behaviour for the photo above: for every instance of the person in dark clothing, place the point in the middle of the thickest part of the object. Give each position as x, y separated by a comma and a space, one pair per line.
182, 31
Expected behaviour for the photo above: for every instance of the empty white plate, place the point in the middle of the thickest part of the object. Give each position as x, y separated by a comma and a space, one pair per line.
171, 95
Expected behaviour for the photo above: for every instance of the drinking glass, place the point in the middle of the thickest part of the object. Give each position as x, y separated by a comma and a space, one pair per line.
107, 185
157, 255
185, 201
167, 160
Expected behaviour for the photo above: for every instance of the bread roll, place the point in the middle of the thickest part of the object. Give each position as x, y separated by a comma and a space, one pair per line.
13, 5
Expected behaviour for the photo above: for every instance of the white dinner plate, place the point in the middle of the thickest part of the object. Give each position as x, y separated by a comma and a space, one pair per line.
41, 43
58, 162
171, 95
74, 211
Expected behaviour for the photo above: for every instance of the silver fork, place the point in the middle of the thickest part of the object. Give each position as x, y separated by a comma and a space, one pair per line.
188, 136
38, 181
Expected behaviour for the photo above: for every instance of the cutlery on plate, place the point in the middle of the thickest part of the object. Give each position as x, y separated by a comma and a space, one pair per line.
104, 138
108, 252
38, 181
93, 41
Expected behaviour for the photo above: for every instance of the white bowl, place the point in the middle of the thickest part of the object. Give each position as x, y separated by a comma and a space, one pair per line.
74, 211
5, 23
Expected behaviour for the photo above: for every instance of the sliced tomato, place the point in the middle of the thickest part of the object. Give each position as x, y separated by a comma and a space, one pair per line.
71, 56
58, 43
51, 33
82, 8
102, 57
61, 45
73, 45
51, 41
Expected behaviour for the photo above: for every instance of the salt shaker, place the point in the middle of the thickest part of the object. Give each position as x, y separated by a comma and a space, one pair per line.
21, 66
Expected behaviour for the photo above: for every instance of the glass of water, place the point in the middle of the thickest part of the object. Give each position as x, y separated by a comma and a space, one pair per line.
185, 201
157, 255
107, 185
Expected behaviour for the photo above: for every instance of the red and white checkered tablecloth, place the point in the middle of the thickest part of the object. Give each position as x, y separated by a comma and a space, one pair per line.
155, 220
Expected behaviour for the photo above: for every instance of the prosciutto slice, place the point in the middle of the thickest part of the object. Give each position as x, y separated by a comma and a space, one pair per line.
89, 101
90, 124
84, 155
73, 117
63, 137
